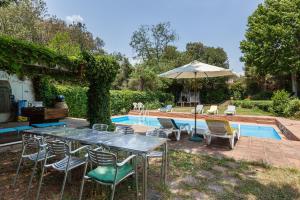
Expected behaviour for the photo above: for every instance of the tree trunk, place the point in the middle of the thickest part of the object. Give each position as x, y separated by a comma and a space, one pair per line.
295, 84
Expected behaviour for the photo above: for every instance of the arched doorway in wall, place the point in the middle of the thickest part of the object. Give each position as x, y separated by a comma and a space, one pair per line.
5, 102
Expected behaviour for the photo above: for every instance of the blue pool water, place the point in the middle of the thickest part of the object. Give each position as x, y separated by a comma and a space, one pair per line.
246, 130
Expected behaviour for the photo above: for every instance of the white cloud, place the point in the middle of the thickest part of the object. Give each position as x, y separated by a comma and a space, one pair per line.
74, 18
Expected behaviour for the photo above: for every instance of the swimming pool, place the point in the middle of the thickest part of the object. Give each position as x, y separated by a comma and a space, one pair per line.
246, 130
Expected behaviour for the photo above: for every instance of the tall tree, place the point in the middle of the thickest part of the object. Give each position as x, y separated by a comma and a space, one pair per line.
272, 43
63, 44
149, 42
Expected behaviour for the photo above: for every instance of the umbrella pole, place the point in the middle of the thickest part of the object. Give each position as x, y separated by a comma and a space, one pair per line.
195, 90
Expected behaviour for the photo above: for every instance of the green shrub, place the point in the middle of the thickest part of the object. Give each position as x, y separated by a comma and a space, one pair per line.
250, 104
237, 90
280, 100
292, 108
153, 105
76, 99
44, 90
121, 100
264, 95
101, 72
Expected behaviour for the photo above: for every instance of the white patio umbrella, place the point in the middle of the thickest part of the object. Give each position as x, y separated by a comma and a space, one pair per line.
196, 70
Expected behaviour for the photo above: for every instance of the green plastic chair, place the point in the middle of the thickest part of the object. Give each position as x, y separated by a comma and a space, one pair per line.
108, 171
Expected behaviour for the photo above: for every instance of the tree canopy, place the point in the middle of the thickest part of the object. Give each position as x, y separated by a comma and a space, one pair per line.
273, 39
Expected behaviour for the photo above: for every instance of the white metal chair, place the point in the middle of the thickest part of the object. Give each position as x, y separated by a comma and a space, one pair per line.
140, 106
108, 171
124, 130
30, 144
135, 106
68, 162
100, 127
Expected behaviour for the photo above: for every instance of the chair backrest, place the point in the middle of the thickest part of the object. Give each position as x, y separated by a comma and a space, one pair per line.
135, 105
231, 108
58, 148
219, 127
169, 107
125, 130
102, 157
140, 105
167, 123
199, 107
157, 133
213, 108
29, 141
100, 127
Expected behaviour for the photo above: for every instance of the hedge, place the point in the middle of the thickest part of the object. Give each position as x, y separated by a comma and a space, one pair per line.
262, 105
121, 100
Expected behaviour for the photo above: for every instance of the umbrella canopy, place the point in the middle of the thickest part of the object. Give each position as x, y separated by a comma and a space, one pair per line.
197, 69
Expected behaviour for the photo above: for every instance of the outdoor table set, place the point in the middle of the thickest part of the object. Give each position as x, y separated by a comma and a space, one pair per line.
132, 143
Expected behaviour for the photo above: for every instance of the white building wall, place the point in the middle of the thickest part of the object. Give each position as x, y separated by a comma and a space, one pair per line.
21, 89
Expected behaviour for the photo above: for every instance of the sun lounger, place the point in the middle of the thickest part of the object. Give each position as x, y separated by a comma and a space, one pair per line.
213, 110
170, 126
221, 129
199, 109
167, 108
231, 110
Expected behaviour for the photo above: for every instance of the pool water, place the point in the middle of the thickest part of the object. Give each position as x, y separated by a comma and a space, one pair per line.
246, 130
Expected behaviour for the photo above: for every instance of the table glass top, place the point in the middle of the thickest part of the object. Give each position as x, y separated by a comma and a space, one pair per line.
130, 142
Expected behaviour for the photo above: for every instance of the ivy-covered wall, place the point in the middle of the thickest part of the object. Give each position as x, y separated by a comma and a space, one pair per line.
25, 58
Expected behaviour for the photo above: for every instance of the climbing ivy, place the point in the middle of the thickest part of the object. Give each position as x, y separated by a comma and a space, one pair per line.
25, 58
100, 73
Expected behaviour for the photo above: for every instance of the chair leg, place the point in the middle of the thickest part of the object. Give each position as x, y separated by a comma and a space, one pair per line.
231, 141
113, 192
178, 135
136, 180
18, 170
81, 188
63, 186
32, 175
40, 182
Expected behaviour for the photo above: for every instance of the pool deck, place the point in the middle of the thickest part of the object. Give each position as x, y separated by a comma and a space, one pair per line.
284, 153
290, 128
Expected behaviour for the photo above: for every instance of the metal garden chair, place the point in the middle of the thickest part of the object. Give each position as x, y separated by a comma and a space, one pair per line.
156, 154
100, 127
68, 162
125, 130
33, 149
109, 171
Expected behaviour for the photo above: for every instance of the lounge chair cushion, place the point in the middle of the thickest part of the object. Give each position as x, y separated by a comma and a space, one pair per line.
7, 130
106, 174
44, 125
225, 123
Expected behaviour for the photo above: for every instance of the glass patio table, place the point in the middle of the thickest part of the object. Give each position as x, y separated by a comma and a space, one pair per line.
137, 144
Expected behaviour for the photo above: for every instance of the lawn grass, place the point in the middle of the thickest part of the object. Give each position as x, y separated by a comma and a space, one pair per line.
221, 178
190, 176
240, 111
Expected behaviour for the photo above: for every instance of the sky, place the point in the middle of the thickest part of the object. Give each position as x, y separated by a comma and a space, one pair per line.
218, 23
